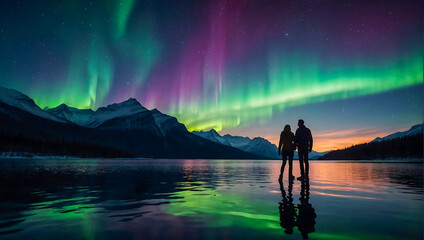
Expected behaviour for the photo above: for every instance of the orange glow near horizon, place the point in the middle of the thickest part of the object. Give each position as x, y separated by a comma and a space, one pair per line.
333, 140
340, 180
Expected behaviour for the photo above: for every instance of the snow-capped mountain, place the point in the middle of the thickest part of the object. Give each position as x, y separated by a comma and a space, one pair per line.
93, 119
80, 117
257, 145
22, 101
126, 115
263, 146
414, 130
126, 129
238, 141
213, 136
117, 110
131, 115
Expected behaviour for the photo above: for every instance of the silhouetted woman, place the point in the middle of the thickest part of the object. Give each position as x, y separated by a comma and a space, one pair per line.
286, 149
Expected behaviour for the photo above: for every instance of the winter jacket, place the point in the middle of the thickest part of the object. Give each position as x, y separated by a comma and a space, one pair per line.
287, 141
303, 139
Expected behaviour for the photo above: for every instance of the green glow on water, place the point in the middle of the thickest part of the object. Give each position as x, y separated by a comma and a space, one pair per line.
62, 211
217, 209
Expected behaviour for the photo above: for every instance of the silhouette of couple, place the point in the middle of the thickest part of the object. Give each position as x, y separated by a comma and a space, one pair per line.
301, 215
302, 140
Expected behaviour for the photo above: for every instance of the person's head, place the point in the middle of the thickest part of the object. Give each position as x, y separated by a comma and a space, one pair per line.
287, 128
300, 123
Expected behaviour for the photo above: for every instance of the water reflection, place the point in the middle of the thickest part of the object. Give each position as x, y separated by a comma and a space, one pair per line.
301, 215
287, 209
306, 218
212, 199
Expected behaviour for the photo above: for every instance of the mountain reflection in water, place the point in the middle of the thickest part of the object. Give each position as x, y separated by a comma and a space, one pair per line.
196, 199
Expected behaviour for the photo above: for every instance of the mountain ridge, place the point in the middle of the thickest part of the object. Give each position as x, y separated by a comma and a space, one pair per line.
257, 145
17, 99
414, 130
403, 144
116, 130
145, 133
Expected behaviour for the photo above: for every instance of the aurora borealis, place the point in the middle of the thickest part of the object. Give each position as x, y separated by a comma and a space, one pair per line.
240, 67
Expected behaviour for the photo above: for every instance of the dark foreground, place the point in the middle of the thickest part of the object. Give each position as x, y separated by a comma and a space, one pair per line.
207, 199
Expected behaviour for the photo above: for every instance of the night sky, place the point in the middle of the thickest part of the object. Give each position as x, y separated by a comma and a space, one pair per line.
353, 70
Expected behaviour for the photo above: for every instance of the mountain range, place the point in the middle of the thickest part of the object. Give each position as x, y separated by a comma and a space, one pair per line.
127, 127
122, 130
257, 145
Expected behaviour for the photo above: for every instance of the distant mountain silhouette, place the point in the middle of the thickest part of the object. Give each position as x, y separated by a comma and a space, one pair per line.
408, 144
414, 130
126, 129
259, 146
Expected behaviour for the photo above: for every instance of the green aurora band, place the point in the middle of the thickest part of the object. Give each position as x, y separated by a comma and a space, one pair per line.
92, 65
293, 82
196, 66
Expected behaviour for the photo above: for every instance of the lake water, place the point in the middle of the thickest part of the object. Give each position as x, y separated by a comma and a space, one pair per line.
208, 199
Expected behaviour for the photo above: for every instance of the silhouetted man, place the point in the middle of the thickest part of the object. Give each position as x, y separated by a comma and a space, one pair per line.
303, 142
306, 218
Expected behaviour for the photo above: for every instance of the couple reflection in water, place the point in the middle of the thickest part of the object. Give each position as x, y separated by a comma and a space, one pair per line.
300, 215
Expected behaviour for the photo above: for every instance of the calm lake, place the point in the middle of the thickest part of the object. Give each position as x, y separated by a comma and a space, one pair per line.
208, 199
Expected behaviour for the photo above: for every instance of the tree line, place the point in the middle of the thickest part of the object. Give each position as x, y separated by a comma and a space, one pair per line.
18, 143
404, 147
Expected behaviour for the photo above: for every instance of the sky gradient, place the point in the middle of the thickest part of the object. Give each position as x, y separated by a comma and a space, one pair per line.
353, 70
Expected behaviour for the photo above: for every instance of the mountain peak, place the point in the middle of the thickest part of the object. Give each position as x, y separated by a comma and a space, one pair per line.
258, 146
130, 105
214, 131
261, 139
59, 110
418, 127
239, 137
12, 96
131, 100
61, 107
19, 100
155, 110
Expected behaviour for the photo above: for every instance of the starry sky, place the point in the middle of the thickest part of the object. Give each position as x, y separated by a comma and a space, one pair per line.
352, 69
